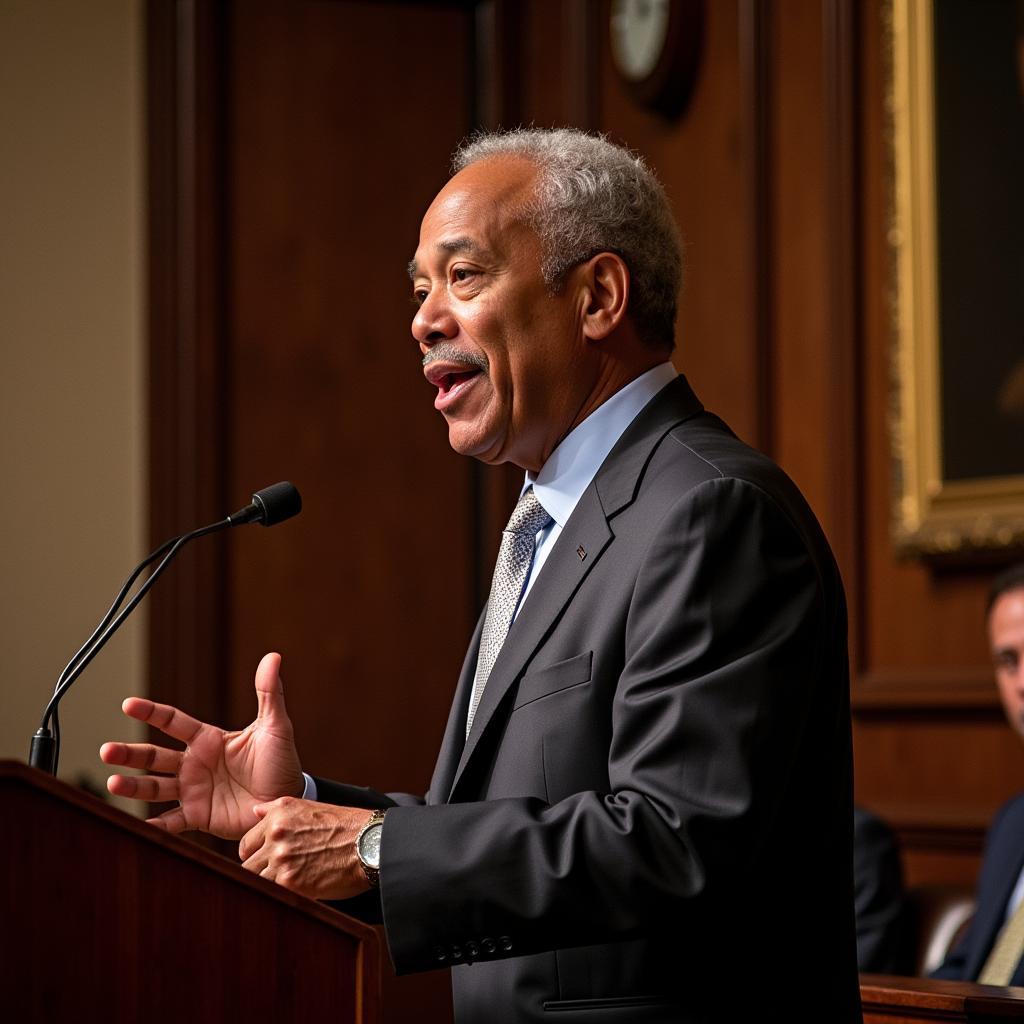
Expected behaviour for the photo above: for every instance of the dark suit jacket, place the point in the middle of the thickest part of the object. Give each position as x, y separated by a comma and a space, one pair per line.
1000, 869
883, 938
651, 820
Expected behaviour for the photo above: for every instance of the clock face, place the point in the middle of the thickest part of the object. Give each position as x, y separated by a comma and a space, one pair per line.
369, 845
639, 30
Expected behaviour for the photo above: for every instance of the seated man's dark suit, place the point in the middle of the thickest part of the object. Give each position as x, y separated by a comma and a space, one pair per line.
651, 819
1000, 870
883, 937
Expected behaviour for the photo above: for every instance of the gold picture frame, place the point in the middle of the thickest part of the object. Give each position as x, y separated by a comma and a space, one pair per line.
932, 515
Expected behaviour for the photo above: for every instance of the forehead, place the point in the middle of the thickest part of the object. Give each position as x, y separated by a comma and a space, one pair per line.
1006, 620
481, 208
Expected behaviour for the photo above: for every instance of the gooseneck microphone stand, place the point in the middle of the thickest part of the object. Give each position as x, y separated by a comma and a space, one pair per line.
269, 506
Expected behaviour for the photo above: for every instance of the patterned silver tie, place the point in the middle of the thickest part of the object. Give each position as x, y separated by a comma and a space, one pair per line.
510, 572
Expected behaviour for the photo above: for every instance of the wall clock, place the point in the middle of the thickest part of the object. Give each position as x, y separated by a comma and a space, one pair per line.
656, 48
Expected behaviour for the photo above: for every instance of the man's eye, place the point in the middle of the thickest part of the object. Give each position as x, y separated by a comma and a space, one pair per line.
462, 274
419, 296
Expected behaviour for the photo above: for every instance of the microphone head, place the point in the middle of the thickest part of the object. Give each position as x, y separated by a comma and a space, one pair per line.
277, 503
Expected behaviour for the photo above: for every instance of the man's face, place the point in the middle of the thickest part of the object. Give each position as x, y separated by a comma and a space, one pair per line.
1006, 639
507, 358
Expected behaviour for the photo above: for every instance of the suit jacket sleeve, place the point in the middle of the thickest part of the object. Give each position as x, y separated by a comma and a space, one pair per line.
366, 906
343, 795
719, 677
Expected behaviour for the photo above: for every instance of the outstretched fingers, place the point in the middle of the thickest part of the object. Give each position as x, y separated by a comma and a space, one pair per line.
167, 719
147, 756
155, 788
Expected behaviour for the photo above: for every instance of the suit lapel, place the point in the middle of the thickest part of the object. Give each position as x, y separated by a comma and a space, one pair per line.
559, 579
991, 912
588, 528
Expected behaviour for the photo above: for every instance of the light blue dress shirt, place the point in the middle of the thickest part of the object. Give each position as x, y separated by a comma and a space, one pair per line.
572, 466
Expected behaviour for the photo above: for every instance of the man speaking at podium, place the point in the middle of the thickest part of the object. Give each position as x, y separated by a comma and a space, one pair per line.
641, 809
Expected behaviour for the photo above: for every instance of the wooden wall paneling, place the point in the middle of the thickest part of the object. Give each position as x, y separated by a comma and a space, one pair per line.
932, 751
369, 593
843, 344
500, 51
187, 373
546, 69
936, 763
338, 143
558, 68
921, 616
581, 62
702, 160
800, 252
755, 113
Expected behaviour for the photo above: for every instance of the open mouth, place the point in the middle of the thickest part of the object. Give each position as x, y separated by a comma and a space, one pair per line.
450, 381
451, 375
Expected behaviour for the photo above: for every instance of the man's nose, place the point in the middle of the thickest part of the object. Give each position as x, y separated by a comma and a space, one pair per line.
434, 321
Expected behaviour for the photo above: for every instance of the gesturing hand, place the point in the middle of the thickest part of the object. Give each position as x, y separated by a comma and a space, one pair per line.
220, 775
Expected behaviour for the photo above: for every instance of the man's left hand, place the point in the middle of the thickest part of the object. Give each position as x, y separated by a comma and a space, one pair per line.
307, 847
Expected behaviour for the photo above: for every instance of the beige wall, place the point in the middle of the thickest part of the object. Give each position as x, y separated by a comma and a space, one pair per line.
72, 458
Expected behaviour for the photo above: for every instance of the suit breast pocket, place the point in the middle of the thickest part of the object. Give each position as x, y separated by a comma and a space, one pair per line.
554, 678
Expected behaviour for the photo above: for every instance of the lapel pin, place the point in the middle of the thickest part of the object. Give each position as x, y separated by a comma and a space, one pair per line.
582, 552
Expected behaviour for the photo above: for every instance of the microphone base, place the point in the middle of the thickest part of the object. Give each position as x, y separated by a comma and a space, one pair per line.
42, 753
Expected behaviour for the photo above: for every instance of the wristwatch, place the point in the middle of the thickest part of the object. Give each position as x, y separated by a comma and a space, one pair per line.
368, 847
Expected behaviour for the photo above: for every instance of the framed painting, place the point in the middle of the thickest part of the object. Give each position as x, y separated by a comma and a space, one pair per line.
956, 232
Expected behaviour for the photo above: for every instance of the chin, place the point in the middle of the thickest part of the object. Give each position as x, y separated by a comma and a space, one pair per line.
469, 444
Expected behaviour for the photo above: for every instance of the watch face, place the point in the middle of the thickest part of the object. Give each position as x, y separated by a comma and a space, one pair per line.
369, 846
639, 32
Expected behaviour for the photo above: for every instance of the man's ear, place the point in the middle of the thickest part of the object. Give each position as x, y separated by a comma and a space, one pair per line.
605, 294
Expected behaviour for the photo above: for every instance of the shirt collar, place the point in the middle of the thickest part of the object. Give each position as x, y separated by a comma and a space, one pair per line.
574, 463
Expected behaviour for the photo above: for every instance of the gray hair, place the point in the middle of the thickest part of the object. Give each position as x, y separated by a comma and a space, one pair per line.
594, 196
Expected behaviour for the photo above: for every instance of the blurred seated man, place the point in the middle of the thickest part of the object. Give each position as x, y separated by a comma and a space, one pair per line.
991, 949
878, 897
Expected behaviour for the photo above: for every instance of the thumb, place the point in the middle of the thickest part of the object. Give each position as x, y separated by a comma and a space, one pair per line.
270, 689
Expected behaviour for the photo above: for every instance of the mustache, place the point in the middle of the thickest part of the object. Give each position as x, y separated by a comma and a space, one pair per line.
451, 353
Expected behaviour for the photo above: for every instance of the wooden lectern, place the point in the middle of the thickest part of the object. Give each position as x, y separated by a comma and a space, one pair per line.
106, 918
103, 917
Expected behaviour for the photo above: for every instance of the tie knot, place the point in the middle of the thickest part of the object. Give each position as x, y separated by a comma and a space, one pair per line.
528, 516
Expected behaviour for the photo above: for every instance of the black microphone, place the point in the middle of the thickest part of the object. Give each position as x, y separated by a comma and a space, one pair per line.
270, 506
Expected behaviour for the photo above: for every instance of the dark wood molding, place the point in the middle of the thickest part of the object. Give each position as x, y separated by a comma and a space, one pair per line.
189, 411
897, 999
958, 823
843, 341
498, 39
927, 691
936, 828
755, 135
581, 63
